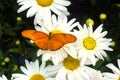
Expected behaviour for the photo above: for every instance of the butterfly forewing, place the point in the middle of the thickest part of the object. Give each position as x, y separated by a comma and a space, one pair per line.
33, 34
65, 38
39, 38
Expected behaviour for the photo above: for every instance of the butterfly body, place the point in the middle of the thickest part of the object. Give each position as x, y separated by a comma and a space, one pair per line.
48, 41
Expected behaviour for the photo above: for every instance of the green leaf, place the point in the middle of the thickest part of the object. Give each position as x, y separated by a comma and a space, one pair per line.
108, 58
30, 43
15, 50
32, 54
118, 5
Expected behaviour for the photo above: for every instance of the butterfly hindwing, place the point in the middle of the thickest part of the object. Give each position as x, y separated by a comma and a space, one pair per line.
59, 40
54, 44
42, 43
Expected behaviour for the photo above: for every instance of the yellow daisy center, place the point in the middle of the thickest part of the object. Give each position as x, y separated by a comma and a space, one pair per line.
56, 32
37, 77
44, 3
89, 43
71, 63
119, 78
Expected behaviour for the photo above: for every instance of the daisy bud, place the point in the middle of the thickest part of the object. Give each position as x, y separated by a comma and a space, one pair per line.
19, 19
3, 63
103, 16
15, 67
17, 42
89, 21
113, 44
6, 59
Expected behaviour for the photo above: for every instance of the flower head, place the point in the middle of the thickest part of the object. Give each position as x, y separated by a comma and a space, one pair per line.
34, 71
42, 8
116, 71
92, 44
71, 69
56, 26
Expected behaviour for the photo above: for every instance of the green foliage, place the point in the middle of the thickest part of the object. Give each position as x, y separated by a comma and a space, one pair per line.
117, 5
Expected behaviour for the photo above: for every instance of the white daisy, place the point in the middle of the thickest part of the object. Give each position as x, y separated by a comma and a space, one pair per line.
42, 8
71, 69
116, 71
3, 77
96, 75
110, 76
34, 71
59, 25
92, 44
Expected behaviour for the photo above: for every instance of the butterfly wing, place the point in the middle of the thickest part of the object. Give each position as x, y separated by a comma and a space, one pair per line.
54, 44
59, 40
42, 43
40, 38
65, 38
34, 35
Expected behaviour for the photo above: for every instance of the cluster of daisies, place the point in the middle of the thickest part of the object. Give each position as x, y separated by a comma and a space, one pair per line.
70, 62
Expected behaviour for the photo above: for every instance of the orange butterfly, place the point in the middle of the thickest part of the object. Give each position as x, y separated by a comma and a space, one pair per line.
48, 42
